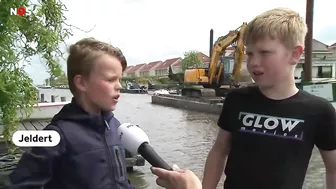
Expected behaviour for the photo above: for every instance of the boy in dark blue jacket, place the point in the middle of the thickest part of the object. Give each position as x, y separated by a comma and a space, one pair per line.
89, 155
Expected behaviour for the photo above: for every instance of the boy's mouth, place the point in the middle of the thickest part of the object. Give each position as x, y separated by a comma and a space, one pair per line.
257, 73
116, 98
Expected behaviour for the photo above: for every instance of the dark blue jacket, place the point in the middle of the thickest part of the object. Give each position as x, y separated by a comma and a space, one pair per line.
89, 155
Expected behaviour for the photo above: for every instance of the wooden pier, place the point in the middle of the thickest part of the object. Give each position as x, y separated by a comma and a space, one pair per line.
33, 124
29, 125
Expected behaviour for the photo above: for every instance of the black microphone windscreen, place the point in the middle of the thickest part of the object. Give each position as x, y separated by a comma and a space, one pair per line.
147, 152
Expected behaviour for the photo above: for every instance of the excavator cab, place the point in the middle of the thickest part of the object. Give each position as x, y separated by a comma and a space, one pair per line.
226, 77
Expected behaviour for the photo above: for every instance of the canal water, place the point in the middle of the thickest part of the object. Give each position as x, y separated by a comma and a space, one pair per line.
181, 137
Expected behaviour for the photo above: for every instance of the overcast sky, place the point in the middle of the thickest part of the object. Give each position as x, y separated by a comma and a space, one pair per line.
151, 30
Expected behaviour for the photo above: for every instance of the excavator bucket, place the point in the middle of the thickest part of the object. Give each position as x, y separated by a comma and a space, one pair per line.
178, 77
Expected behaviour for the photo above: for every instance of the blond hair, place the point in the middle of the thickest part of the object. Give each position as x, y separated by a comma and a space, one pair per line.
83, 54
283, 24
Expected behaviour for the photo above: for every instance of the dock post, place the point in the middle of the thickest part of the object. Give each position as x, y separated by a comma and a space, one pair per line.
52, 98
63, 99
307, 66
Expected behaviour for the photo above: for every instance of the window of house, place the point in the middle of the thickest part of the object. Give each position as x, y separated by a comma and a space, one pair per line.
144, 73
161, 72
322, 71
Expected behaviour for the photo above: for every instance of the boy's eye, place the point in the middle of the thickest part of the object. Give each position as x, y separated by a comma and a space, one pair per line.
265, 52
112, 79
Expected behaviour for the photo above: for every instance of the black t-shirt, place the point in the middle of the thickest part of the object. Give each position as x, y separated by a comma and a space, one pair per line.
272, 140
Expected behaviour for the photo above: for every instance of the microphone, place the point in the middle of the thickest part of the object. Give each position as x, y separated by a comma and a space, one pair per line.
135, 140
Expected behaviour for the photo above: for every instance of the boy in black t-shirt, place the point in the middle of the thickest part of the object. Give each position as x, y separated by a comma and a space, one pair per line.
268, 132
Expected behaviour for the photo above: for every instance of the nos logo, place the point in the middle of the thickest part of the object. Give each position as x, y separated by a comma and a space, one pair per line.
21, 11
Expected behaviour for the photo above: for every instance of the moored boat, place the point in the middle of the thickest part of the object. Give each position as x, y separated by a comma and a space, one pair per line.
43, 110
161, 91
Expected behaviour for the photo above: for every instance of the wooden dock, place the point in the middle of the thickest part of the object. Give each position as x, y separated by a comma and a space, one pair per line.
33, 124
26, 125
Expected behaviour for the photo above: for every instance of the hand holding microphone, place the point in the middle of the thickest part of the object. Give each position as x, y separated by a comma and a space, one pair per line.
135, 140
177, 179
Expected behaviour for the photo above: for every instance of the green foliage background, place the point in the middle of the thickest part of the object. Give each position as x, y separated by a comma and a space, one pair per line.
22, 37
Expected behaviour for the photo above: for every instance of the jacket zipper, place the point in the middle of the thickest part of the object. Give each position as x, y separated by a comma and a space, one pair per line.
108, 153
107, 125
119, 163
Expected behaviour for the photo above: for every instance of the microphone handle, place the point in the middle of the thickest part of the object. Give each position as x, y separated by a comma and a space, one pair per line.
147, 152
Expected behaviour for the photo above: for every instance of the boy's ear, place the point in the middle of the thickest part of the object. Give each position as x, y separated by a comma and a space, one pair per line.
80, 83
296, 54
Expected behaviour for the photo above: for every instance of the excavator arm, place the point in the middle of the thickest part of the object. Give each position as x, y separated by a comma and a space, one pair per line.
219, 49
212, 79
239, 54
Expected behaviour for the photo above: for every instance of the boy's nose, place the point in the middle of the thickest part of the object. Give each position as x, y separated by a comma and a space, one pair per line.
253, 62
118, 86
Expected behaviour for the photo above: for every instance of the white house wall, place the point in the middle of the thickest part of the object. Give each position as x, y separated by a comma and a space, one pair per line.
315, 65
152, 72
177, 69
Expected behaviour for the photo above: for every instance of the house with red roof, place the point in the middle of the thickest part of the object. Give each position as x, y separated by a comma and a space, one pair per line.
324, 63
332, 48
177, 66
149, 69
163, 68
205, 59
323, 60
320, 51
125, 71
134, 71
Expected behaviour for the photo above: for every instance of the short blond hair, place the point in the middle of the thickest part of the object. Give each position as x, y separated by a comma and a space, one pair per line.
83, 54
283, 24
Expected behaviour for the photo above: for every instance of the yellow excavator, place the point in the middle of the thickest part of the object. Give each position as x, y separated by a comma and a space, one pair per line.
216, 79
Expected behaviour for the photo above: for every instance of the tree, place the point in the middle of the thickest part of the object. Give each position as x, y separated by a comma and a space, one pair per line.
191, 59
62, 79
39, 33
